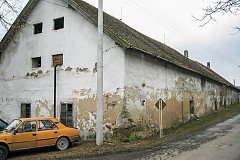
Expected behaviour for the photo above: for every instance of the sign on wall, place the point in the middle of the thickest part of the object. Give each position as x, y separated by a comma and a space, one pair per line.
57, 59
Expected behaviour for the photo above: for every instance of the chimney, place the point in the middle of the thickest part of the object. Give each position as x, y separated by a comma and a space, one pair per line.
186, 53
208, 65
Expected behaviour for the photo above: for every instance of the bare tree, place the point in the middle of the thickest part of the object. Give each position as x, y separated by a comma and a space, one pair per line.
221, 6
9, 9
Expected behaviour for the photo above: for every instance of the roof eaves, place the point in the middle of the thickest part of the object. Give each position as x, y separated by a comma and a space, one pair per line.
166, 60
91, 15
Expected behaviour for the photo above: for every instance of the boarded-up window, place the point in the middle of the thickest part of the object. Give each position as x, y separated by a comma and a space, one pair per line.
25, 110
66, 116
191, 107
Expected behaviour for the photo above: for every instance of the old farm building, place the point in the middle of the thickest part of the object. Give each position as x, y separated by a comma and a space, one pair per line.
137, 71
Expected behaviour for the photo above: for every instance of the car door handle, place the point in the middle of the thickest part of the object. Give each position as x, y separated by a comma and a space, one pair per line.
55, 132
34, 134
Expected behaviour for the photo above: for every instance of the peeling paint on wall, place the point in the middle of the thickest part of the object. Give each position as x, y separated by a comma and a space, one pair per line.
43, 109
133, 81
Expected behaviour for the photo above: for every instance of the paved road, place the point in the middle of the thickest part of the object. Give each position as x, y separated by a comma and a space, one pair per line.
221, 142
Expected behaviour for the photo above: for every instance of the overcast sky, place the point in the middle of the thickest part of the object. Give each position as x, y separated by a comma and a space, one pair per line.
172, 22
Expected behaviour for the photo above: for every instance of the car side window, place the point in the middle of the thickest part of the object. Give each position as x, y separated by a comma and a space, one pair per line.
29, 126
44, 125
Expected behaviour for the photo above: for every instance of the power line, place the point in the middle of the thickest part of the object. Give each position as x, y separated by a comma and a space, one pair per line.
185, 34
185, 29
156, 14
157, 19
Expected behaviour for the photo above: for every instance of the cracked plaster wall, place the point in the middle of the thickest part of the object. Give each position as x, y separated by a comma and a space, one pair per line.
133, 82
148, 79
76, 78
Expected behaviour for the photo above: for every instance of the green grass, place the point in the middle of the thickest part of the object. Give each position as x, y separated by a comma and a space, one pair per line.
206, 121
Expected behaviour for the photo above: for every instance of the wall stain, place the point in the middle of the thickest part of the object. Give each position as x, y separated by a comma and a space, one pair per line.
42, 109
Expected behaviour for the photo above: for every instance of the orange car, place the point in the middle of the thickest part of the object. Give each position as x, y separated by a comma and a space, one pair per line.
26, 133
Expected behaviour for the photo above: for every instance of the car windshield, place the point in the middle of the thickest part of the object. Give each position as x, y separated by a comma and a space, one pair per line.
12, 126
3, 124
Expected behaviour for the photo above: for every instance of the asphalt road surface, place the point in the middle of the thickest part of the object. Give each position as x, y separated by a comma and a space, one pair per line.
220, 142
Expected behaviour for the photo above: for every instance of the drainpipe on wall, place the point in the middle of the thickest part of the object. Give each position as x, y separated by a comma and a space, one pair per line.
57, 61
55, 90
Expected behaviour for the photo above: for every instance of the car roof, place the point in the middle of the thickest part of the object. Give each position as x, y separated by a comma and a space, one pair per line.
37, 118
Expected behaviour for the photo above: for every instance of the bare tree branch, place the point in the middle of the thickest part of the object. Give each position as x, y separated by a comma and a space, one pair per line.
221, 6
10, 6
9, 9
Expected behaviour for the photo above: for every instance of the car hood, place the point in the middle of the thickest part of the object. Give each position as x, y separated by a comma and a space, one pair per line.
4, 136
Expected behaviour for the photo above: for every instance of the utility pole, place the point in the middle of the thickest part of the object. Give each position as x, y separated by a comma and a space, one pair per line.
99, 129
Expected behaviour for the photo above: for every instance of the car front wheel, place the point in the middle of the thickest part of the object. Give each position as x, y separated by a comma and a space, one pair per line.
3, 152
62, 143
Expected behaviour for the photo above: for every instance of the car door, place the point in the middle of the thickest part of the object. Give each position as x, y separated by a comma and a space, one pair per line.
25, 136
47, 133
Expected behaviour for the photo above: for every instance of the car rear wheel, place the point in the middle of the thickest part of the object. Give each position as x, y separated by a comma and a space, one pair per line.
3, 152
62, 143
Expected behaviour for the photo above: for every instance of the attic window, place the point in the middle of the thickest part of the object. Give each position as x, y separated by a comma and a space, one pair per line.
38, 28
58, 23
36, 62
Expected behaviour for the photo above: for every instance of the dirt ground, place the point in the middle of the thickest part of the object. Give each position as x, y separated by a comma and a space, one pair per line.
219, 142
226, 147
187, 137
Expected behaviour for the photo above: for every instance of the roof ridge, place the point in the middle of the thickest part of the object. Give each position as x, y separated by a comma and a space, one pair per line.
125, 36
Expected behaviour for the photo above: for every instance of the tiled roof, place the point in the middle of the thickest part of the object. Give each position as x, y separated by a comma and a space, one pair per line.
126, 37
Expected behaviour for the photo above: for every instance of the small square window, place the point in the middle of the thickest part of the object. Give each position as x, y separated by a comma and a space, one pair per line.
58, 23
36, 62
38, 28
